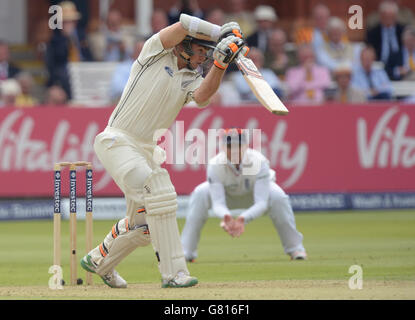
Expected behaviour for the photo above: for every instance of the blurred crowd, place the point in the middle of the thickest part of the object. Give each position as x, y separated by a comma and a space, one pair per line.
315, 64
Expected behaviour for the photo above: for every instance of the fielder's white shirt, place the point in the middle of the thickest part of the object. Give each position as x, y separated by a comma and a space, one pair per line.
155, 93
225, 180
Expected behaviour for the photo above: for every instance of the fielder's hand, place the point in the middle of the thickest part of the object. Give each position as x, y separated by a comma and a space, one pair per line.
238, 226
235, 227
230, 29
227, 49
227, 223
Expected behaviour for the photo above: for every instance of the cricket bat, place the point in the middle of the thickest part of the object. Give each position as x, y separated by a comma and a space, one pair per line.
262, 90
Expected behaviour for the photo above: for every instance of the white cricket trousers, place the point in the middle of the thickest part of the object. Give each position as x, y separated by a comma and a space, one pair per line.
279, 210
129, 163
133, 164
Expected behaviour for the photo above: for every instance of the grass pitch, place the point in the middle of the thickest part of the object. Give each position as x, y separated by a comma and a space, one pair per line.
253, 266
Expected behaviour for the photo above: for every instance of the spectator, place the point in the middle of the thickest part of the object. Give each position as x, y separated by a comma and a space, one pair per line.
66, 45
321, 16
112, 42
306, 83
243, 88
25, 98
216, 16
246, 21
344, 92
159, 20
10, 89
7, 69
190, 7
405, 16
265, 18
227, 95
82, 7
277, 57
117, 43
374, 81
122, 73
406, 66
242, 16
337, 50
316, 35
56, 96
386, 37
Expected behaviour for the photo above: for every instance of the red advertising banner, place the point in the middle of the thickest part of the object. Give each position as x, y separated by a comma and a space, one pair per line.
329, 148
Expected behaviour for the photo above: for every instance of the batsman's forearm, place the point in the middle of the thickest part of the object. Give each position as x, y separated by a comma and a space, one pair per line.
209, 85
199, 28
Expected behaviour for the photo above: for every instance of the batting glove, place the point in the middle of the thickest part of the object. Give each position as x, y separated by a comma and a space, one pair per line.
230, 29
227, 49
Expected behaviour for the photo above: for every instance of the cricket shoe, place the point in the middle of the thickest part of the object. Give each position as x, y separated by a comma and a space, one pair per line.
298, 255
114, 280
190, 259
111, 279
181, 280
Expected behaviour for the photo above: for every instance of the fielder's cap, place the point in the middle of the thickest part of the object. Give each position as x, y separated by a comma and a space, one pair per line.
69, 12
235, 135
267, 13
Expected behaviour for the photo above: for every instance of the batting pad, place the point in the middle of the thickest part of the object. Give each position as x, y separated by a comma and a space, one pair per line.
160, 201
123, 238
122, 246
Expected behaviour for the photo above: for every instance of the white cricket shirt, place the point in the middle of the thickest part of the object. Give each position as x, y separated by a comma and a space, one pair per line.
155, 93
224, 180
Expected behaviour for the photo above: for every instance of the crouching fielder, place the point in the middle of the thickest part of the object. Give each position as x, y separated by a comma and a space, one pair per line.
240, 177
162, 80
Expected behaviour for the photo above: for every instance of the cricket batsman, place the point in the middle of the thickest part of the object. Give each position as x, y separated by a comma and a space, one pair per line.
233, 184
162, 80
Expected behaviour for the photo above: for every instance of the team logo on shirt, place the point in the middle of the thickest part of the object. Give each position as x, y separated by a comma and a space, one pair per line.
169, 71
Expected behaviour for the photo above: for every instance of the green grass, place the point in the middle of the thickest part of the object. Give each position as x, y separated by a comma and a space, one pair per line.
382, 242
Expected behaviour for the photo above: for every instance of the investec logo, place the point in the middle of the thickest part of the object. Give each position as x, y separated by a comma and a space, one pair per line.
57, 192
72, 194
89, 191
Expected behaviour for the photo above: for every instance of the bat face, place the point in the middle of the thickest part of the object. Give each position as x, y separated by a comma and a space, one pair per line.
262, 90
